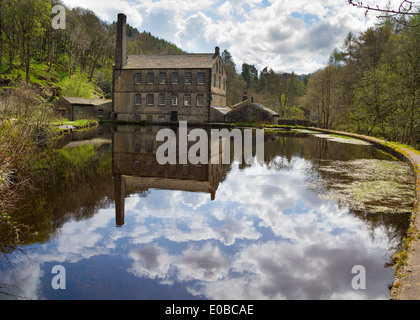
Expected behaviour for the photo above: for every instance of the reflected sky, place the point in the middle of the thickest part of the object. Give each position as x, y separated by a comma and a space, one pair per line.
266, 235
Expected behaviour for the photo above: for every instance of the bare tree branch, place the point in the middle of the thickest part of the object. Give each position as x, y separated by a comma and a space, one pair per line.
404, 9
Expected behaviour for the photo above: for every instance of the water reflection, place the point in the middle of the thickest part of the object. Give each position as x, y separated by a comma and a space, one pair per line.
136, 169
270, 231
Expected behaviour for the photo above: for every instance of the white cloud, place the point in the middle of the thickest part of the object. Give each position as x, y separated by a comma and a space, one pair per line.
279, 34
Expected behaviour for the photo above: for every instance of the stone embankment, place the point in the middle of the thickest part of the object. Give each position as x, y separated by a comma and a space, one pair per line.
406, 285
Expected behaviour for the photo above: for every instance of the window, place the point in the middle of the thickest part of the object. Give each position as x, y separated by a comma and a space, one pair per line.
162, 78
149, 100
137, 99
198, 171
224, 84
137, 146
100, 113
136, 166
138, 78
214, 81
149, 167
200, 100
188, 78
137, 117
175, 78
174, 100
187, 100
201, 78
150, 78
149, 118
162, 99
220, 82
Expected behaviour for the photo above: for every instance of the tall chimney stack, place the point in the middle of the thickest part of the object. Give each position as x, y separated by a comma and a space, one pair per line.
121, 50
216, 52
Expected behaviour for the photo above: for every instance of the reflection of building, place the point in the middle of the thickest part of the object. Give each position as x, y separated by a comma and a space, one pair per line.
135, 168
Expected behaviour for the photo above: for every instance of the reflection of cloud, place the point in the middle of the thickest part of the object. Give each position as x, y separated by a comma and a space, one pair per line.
266, 236
287, 271
150, 261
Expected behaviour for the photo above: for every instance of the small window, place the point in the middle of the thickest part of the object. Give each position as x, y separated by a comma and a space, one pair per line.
198, 171
162, 99
149, 146
174, 100
187, 100
175, 78
150, 100
149, 118
100, 113
137, 100
136, 166
150, 78
149, 167
162, 78
137, 146
185, 170
137, 117
188, 78
200, 100
201, 78
138, 78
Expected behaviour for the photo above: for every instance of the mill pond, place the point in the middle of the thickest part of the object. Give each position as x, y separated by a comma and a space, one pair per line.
292, 226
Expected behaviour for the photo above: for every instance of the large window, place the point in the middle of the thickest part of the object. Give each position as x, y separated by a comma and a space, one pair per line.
150, 78
174, 100
175, 78
137, 99
201, 78
150, 100
187, 100
200, 100
162, 99
162, 78
138, 78
188, 78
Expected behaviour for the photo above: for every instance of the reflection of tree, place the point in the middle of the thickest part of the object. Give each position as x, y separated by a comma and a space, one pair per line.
77, 183
336, 170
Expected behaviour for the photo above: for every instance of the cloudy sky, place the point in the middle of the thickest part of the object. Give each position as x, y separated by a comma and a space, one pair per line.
283, 35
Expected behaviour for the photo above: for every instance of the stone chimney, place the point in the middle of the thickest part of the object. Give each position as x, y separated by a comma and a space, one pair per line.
216, 52
121, 50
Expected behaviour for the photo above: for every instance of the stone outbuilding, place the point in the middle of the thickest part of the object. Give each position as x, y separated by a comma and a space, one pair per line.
81, 108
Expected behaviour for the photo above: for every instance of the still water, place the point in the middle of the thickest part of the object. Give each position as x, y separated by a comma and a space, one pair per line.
290, 227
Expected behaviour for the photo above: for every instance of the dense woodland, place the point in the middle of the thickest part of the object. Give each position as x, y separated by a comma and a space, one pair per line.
370, 84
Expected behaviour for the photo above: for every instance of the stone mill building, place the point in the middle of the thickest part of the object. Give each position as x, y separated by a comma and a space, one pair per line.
166, 88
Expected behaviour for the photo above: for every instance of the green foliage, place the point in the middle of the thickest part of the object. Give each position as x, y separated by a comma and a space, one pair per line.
372, 86
78, 85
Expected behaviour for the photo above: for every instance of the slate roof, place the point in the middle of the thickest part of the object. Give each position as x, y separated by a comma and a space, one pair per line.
258, 105
85, 101
181, 61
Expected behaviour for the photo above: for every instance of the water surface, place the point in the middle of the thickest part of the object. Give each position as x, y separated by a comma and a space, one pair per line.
124, 227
